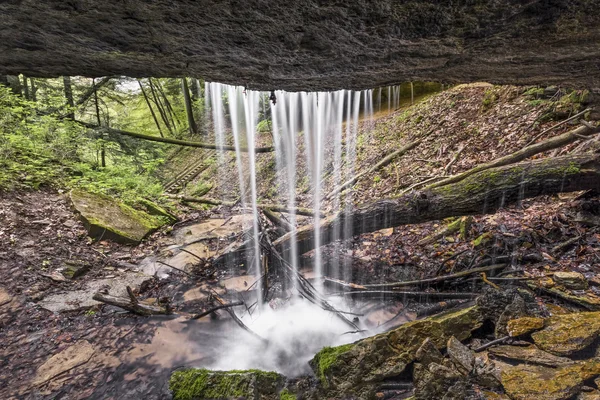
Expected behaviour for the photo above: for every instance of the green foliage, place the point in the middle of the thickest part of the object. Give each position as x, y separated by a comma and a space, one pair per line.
264, 126
40, 149
489, 98
199, 188
287, 395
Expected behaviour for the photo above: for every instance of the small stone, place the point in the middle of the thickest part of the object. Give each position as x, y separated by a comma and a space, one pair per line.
523, 326
461, 356
571, 280
5, 298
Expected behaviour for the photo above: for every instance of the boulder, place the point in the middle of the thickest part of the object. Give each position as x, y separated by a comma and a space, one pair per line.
571, 280
566, 334
191, 384
158, 211
526, 382
523, 326
106, 218
353, 368
529, 354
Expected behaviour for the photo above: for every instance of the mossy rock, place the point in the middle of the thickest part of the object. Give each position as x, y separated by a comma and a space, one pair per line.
566, 334
106, 218
158, 211
203, 384
526, 382
355, 369
523, 326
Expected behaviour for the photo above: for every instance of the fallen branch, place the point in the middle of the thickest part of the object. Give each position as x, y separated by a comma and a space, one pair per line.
239, 321
174, 141
175, 268
454, 159
273, 207
539, 135
396, 294
437, 279
524, 153
492, 343
128, 304
385, 161
481, 193
217, 308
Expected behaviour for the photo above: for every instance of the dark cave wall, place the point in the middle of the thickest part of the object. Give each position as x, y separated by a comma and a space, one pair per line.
306, 44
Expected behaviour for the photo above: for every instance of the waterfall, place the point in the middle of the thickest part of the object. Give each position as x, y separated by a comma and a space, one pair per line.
329, 156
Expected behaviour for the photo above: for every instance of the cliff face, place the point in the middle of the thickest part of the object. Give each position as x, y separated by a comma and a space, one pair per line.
306, 44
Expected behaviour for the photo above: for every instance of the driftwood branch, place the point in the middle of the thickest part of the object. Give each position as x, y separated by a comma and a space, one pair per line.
131, 304
174, 141
481, 193
539, 135
524, 153
273, 207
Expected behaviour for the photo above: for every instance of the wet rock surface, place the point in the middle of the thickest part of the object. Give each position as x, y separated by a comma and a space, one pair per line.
306, 45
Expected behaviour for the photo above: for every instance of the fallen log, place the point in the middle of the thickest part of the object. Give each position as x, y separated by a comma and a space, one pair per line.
481, 193
174, 141
273, 207
131, 304
385, 161
524, 153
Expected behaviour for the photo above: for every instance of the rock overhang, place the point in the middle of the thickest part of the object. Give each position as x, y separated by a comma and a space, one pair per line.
308, 44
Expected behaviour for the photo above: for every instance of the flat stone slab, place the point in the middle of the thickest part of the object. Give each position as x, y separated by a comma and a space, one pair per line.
213, 228
71, 357
530, 354
106, 218
80, 299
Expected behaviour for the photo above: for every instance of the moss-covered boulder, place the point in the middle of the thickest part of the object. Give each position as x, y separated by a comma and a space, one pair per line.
158, 211
106, 218
203, 384
568, 333
523, 326
355, 368
526, 382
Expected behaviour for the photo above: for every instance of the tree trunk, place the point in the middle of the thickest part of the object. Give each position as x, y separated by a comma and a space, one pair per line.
158, 103
25, 87
33, 89
102, 146
151, 109
524, 153
481, 193
69, 97
188, 106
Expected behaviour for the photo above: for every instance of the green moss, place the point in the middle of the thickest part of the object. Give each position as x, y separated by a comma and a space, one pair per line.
489, 98
328, 356
195, 384
534, 92
286, 395
482, 239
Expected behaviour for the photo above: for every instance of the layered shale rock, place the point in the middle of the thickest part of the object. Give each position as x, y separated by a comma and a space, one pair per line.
306, 45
